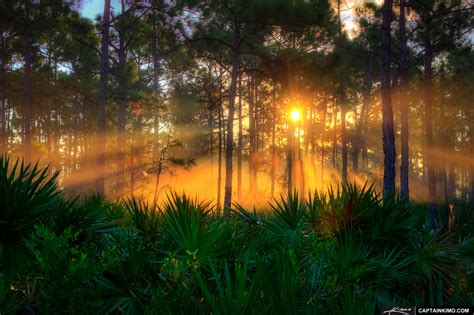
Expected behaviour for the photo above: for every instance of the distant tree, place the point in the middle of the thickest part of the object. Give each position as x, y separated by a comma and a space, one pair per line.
7, 36
29, 20
442, 25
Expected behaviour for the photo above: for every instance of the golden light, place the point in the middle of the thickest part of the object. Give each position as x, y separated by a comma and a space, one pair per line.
295, 115
351, 28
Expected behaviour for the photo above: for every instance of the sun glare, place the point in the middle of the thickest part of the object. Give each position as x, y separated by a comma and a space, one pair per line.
295, 114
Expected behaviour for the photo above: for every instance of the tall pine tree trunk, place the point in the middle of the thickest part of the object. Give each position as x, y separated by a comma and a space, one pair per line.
273, 165
104, 72
387, 113
132, 164
404, 166
428, 98
323, 139
27, 50
290, 156
230, 119
252, 137
3, 119
240, 145
300, 164
463, 182
156, 89
443, 135
471, 135
219, 156
342, 105
451, 181
334, 135
257, 139
139, 149
311, 135
365, 144
56, 141
122, 112
344, 144
211, 138
356, 140
49, 138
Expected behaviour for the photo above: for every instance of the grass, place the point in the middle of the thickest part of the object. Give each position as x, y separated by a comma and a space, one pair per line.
342, 251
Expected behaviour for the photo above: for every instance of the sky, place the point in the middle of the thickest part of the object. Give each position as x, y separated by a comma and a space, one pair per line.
90, 8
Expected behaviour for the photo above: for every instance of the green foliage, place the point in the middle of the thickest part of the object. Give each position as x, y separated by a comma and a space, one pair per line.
290, 211
93, 218
28, 196
65, 269
342, 251
121, 294
234, 292
145, 218
9, 299
188, 225
283, 285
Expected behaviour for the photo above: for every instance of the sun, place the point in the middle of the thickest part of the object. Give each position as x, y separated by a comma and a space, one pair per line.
295, 114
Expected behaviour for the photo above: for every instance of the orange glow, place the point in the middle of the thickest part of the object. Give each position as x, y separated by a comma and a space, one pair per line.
295, 115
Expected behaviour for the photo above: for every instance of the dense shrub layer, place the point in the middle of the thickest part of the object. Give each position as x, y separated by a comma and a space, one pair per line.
340, 252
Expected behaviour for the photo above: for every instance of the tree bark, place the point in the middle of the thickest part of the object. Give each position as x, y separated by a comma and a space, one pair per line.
139, 151
387, 113
57, 141
428, 98
443, 165
300, 164
3, 120
334, 136
405, 158
156, 89
360, 139
256, 113
104, 72
273, 165
240, 145
27, 50
230, 122
323, 139
219, 156
122, 107
357, 139
341, 95
344, 144
211, 138
471, 135
365, 144
290, 153
451, 181
252, 140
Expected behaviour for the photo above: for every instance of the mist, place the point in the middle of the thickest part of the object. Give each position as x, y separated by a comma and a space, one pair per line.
166, 111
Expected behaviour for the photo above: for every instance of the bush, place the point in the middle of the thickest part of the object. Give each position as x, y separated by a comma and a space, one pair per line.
343, 251
28, 196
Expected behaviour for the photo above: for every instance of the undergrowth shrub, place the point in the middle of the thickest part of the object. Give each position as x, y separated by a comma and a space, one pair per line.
28, 196
342, 251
